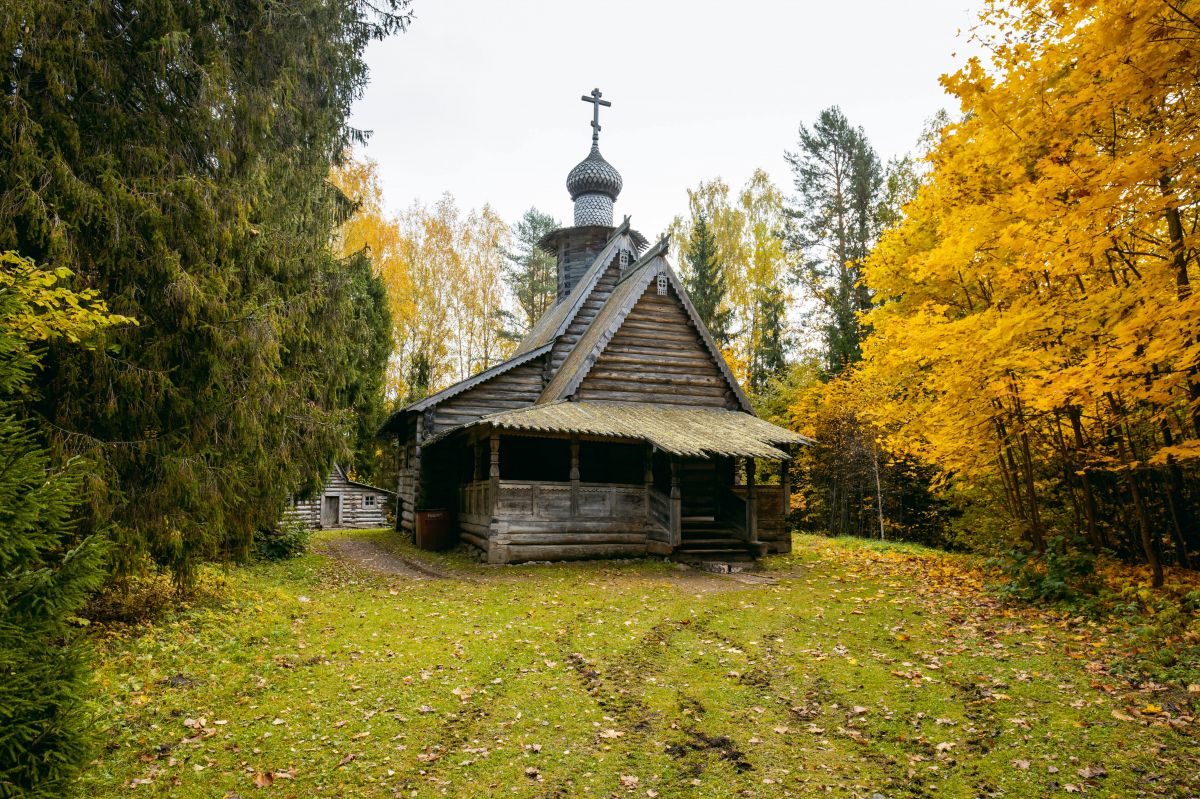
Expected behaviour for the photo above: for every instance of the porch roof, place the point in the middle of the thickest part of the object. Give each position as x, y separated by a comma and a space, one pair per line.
688, 432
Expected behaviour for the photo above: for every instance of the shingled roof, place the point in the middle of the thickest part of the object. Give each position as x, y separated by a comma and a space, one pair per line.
686, 432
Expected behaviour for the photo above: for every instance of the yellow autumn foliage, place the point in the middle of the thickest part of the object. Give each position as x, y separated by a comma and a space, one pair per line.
1037, 310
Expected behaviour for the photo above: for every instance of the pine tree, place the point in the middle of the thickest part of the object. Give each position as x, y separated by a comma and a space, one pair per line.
839, 180
177, 154
706, 282
531, 273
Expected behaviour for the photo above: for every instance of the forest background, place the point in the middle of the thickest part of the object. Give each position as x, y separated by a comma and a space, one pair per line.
993, 340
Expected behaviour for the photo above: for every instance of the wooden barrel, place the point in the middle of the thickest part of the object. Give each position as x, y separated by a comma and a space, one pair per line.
434, 529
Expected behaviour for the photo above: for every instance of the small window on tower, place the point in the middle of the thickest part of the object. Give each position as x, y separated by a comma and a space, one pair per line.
662, 284
624, 258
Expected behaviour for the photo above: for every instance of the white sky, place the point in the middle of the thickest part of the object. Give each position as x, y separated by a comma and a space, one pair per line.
480, 98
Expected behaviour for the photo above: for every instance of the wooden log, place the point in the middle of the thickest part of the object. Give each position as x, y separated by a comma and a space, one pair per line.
571, 538
518, 553
654, 387
474, 540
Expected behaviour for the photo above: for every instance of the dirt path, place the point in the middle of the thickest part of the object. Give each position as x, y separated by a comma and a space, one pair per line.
372, 557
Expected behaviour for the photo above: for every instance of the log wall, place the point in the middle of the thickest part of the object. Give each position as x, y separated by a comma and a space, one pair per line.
517, 521
355, 512
519, 387
657, 355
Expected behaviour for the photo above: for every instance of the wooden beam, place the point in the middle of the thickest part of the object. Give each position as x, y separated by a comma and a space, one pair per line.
751, 502
574, 476
676, 506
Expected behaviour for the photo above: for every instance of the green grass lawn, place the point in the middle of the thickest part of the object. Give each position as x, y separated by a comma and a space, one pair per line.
865, 669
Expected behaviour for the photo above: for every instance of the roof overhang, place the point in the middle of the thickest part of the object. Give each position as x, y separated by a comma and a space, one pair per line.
676, 430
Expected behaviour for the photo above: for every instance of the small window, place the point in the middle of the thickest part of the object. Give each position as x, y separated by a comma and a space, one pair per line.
624, 258
662, 284
369, 500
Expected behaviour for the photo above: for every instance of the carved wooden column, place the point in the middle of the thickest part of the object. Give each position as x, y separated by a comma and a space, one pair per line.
574, 476
751, 503
676, 506
494, 467
498, 532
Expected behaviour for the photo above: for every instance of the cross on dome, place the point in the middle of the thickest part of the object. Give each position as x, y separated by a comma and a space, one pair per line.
594, 99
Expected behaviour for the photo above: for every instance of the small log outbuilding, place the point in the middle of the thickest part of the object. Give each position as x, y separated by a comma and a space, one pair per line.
615, 429
342, 503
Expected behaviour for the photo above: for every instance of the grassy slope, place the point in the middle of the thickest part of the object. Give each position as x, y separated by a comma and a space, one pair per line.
865, 669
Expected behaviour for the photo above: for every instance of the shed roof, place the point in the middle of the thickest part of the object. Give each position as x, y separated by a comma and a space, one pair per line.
687, 432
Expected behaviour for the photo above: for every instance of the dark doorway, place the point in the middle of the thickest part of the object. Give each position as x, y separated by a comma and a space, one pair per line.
698, 489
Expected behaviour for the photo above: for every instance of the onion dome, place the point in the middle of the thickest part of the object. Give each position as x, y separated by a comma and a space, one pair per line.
594, 175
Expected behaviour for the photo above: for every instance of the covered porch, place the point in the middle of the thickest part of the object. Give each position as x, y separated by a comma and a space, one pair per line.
577, 484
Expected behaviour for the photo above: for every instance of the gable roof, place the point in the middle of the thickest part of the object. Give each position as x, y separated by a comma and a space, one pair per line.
463, 385
686, 432
338, 468
558, 318
610, 317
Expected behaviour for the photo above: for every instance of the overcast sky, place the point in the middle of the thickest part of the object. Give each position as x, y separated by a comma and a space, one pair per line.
480, 98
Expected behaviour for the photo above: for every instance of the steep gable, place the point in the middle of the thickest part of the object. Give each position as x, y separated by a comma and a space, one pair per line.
665, 355
657, 355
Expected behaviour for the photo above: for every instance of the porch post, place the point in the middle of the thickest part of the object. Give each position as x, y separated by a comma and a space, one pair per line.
574, 476
751, 503
648, 475
785, 482
676, 507
494, 467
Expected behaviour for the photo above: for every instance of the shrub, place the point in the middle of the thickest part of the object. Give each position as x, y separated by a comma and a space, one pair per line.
1065, 572
288, 540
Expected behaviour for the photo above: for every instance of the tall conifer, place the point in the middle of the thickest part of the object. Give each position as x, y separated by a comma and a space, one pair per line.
706, 282
177, 154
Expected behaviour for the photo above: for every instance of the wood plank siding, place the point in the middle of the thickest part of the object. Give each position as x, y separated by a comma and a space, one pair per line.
657, 356
342, 504
519, 387
584, 317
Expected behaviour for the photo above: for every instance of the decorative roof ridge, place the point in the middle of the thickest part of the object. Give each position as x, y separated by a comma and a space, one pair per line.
628, 293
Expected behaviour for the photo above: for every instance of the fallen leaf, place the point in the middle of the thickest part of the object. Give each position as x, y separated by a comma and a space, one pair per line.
263, 779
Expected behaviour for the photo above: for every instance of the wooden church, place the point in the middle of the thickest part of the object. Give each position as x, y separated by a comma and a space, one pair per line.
616, 429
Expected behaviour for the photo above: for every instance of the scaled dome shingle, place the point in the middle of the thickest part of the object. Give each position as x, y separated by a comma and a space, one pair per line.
594, 175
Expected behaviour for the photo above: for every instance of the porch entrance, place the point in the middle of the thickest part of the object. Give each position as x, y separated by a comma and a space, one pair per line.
698, 490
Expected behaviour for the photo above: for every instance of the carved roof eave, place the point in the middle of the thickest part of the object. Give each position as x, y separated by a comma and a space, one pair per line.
461, 386
612, 315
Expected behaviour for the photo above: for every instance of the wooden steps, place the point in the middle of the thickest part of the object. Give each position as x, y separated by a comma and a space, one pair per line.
708, 540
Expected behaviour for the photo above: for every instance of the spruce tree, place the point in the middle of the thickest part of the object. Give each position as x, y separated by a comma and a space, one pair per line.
706, 283
769, 358
531, 273
176, 153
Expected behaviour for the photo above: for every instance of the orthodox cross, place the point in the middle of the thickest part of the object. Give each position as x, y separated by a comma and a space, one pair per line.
594, 99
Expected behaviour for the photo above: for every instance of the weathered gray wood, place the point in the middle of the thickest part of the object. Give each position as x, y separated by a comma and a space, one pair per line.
357, 506
526, 552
